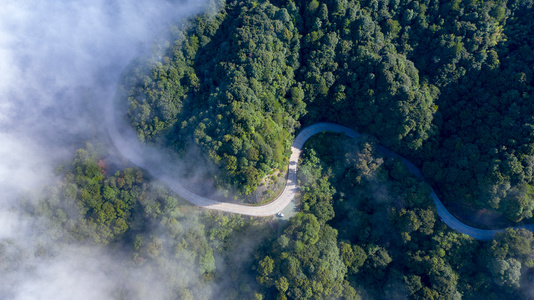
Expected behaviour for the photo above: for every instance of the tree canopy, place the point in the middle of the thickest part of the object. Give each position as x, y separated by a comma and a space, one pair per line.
446, 84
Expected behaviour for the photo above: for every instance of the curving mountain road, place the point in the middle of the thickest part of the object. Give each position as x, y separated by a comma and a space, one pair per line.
160, 166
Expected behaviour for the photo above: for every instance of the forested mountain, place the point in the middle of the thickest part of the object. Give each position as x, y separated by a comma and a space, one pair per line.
371, 214
229, 87
141, 221
447, 84
367, 229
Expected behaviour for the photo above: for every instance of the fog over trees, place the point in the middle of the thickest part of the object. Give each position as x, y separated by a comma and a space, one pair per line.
218, 90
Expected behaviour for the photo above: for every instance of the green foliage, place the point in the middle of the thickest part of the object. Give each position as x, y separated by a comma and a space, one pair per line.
447, 84
306, 267
506, 272
437, 82
99, 206
389, 233
304, 228
246, 100
317, 191
145, 222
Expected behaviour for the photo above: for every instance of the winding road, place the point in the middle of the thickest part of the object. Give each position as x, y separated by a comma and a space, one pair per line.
160, 165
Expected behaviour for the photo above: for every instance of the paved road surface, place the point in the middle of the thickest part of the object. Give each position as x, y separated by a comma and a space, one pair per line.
152, 160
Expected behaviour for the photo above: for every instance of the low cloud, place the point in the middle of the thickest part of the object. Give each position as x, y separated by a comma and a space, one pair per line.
60, 63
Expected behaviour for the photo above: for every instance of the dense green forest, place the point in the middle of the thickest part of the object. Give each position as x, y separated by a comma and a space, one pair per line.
447, 84
193, 251
367, 230
228, 86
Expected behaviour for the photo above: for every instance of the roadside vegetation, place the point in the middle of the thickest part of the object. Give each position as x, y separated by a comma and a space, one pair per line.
369, 228
366, 229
